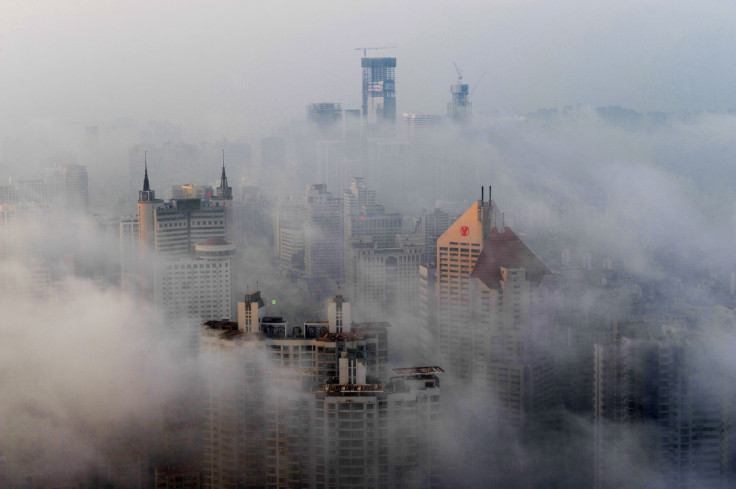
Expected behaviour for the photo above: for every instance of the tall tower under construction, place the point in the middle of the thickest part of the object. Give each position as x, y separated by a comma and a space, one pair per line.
460, 108
379, 92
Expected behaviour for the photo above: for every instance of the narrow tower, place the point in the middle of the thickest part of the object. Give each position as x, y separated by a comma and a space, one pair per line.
147, 204
225, 198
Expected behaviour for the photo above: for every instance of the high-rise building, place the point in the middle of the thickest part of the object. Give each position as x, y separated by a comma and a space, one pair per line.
418, 127
459, 109
664, 387
490, 323
195, 288
258, 429
167, 229
289, 236
323, 241
379, 94
458, 250
129, 253
384, 281
313, 406
364, 217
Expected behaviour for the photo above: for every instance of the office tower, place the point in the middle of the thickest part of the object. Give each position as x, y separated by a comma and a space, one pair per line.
379, 94
196, 288
323, 242
459, 109
325, 119
418, 128
364, 217
490, 323
458, 250
289, 236
383, 281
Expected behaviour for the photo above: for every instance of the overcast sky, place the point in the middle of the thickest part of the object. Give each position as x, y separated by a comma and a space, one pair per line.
234, 66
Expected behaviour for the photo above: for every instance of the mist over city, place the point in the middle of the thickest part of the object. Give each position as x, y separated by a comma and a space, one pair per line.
389, 245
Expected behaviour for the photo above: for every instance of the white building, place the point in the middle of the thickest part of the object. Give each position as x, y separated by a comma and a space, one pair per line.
197, 288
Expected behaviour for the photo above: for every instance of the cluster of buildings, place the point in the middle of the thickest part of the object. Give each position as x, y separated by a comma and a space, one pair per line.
317, 403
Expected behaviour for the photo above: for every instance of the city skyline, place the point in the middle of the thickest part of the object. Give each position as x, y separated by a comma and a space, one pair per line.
203, 284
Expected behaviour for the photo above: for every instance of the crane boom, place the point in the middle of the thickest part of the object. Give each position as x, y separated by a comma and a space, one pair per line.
365, 49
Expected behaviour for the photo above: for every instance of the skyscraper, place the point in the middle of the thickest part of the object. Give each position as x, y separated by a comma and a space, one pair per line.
458, 250
459, 109
379, 94
323, 243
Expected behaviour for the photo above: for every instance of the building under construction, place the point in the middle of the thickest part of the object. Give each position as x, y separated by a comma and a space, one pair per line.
379, 91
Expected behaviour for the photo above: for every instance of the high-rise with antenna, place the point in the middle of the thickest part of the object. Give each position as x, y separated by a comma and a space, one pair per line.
379, 92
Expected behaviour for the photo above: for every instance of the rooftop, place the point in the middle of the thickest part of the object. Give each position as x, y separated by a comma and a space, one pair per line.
418, 370
506, 249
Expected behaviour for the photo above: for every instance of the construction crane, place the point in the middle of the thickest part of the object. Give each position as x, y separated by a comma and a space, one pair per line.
459, 73
477, 83
366, 49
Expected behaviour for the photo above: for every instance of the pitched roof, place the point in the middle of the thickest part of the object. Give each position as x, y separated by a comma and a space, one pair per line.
506, 249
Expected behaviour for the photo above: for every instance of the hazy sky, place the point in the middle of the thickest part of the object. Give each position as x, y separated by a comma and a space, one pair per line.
234, 66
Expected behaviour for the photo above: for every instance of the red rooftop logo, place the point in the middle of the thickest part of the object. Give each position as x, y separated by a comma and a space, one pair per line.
464, 230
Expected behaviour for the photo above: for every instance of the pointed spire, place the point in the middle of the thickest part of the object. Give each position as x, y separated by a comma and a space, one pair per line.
146, 185
223, 178
224, 190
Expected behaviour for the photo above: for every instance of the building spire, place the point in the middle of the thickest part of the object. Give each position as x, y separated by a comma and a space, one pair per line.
146, 185
223, 178
224, 190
